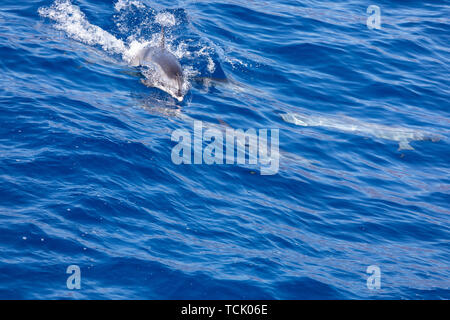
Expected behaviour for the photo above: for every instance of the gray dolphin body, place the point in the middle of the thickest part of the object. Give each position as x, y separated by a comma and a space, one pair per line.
401, 135
167, 73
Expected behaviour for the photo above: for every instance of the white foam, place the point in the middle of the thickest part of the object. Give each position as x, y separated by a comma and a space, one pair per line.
165, 19
234, 62
71, 20
211, 65
180, 51
205, 52
122, 4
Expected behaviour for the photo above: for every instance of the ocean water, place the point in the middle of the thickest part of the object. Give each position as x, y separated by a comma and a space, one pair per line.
87, 175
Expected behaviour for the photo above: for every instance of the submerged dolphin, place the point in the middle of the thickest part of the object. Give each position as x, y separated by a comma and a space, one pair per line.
401, 135
166, 73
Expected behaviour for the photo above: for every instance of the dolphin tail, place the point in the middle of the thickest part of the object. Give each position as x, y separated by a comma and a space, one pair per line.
404, 145
163, 40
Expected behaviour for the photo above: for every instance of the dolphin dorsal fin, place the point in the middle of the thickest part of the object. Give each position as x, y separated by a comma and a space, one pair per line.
163, 40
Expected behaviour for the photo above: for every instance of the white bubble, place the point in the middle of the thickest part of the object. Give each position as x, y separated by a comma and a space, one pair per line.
165, 19
122, 4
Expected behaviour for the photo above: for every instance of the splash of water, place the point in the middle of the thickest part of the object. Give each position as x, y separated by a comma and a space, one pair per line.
165, 19
123, 4
71, 20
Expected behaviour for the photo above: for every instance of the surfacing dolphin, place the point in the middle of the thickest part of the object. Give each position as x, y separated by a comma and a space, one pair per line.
349, 125
163, 69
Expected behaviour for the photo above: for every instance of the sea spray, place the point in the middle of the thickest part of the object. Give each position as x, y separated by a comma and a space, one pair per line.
71, 20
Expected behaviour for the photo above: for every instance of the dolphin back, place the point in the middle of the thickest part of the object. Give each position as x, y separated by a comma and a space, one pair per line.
161, 57
165, 65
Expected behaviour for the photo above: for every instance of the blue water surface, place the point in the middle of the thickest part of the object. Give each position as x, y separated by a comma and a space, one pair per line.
87, 177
